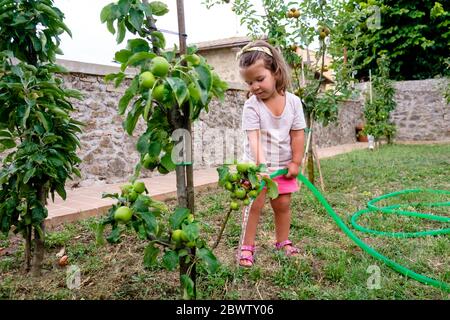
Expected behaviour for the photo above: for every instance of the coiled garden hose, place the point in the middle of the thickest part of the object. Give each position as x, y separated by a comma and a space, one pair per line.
388, 210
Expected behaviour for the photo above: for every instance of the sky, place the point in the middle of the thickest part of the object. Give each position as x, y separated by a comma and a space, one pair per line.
92, 42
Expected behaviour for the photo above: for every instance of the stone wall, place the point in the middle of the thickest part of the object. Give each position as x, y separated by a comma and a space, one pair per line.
107, 153
343, 131
422, 113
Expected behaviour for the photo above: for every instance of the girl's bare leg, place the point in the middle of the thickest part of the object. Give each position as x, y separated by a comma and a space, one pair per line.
281, 208
252, 224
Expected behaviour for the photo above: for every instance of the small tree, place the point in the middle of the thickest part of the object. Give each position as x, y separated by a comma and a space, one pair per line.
379, 104
293, 25
169, 91
35, 126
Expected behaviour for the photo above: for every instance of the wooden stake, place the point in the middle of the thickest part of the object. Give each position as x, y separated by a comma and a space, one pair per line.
318, 167
305, 155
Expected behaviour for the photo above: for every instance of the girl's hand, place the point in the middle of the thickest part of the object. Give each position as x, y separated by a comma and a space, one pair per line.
293, 170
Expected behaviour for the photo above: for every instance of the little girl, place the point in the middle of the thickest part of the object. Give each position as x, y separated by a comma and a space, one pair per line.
274, 123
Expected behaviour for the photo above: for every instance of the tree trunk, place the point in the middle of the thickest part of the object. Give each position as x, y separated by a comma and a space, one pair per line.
191, 206
28, 248
38, 256
185, 194
181, 186
310, 166
187, 181
39, 238
389, 139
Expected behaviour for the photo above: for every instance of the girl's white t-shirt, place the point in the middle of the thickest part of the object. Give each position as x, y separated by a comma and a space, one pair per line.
275, 130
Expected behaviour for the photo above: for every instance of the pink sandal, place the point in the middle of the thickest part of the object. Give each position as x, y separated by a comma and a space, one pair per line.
249, 258
289, 252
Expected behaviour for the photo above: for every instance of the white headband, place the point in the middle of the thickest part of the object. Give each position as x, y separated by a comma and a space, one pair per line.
246, 49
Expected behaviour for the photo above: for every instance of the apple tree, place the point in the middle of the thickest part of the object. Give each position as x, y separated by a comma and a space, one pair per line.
169, 90
37, 135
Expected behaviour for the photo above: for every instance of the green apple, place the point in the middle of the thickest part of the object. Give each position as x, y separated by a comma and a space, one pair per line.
240, 193
146, 79
139, 186
234, 205
160, 66
123, 214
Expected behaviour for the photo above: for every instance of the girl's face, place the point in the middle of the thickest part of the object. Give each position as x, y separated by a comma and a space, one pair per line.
261, 82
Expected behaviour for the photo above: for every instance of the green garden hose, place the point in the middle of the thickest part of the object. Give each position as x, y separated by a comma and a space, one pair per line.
390, 210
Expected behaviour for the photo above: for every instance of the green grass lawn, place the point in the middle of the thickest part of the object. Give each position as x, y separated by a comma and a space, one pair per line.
330, 265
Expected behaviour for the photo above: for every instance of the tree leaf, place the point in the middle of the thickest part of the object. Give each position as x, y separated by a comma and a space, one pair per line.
209, 259
191, 49
137, 58
205, 77
36, 43
133, 116
8, 143
5, 133
145, 8
170, 260
124, 7
38, 215
150, 254
148, 105
151, 225
123, 55
158, 39
167, 162
143, 143
192, 231
28, 175
138, 45
253, 178
119, 79
179, 88
129, 94
158, 8
223, 173
114, 236
177, 217
99, 238
272, 188
154, 148
110, 195
121, 31
136, 19
61, 191
106, 13
25, 115
76, 172
110, 26
188, 286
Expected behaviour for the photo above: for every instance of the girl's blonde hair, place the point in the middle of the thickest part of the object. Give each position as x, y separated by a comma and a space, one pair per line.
274, 62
